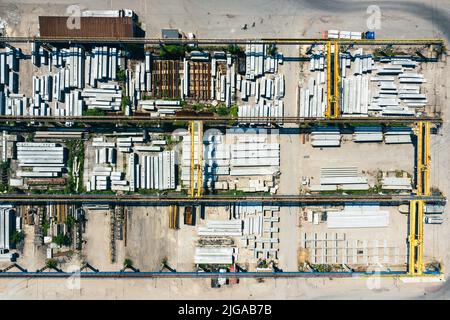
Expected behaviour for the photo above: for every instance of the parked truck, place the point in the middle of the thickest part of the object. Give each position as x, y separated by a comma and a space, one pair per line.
357, 35
109, 13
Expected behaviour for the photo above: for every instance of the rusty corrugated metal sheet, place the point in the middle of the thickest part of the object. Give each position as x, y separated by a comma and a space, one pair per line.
90, 27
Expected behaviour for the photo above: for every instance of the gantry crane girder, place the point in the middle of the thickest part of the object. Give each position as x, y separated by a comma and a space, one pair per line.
415, 238
333, 78
195, 187
416, 207
422, 132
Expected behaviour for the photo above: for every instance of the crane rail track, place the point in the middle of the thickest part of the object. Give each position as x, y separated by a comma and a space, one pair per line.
218, 119
211, 199
280, 41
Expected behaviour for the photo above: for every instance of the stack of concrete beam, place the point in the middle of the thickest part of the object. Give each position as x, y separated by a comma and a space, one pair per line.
354, 216
399, 88
73, 105
75, 65
14, 104
142, 80
107, 97
260, 229
325, 137
355, 88
213, 255
344, 178
159, 107
216, 228
257, 154
261, 110
35, 59
368, 134
58, 135
133, 171
223, 86
46, 160
397, 135
255, 54
158, 172
394, 183
9, 67
7, 222
102, 65
313, 97
105, 156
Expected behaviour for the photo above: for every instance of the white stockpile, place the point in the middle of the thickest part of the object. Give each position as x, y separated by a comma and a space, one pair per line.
253, 158
396, 183
257, 226
388, 87
354, 216
43, 160
186, 159
158, 170
368, 134
265, 91
260, 229
148, 167
325, 137
223, 85
215, 255
160, 107
355, 88
107, 97
313, 95
75, 77
398, 135
343, 178
217, 228
139, 81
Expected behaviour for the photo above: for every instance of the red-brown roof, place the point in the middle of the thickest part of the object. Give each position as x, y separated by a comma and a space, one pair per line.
90, 27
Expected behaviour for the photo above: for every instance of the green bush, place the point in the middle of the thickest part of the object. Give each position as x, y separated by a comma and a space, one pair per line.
17, 237
121, 75
94, 112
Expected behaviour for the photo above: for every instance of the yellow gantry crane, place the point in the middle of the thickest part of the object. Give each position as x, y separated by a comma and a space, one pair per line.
196, 166
333, 79
416, 207
415, 239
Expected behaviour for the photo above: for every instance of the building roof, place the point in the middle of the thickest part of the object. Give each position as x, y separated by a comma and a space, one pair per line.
170, 34
90, 27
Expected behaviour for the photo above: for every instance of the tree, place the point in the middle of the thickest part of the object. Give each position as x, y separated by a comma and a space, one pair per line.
235, 49
121, 75
17, 237
127, 263
51, 263
172, 51
62, 240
